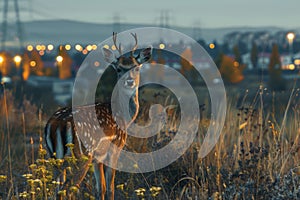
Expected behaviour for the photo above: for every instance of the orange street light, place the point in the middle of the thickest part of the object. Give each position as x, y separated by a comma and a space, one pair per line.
212, 45
297, 62
1, 59
18, 60
50, 47
1, 62
59, 59
290, 37
162, 46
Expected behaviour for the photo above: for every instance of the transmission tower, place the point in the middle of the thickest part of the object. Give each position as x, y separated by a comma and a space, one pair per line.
5, 24
116, 23
164, 19
197, 33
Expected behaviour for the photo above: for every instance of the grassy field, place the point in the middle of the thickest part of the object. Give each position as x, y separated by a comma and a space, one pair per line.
256, 157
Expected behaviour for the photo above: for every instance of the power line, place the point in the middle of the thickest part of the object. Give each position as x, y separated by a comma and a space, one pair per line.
117, 23
6, 20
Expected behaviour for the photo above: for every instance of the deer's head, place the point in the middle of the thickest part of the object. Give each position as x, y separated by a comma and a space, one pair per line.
128, 72
128, 67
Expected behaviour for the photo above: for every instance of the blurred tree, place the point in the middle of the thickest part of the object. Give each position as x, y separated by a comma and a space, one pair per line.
38, 65
187, 68
242, 46
213, 49
202, 43
186, 65
160, 73
6, 63
64, 67
276, 81
231, 70
26, 66
225, 48
254, 55
296, 46
237, 54
218, 59
78, 59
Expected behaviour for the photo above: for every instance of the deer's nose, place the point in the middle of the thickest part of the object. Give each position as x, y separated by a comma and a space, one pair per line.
130, 82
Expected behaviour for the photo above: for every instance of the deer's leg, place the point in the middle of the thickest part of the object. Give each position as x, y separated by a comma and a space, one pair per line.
110, 182
84, 170
110, 174
97, 178
102, 180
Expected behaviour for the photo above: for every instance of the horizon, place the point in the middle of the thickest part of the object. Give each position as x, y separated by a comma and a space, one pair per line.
204, 14
61, 31
154, 25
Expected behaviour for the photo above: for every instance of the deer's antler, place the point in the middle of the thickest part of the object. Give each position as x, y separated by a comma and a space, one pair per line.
136, 43
115, 43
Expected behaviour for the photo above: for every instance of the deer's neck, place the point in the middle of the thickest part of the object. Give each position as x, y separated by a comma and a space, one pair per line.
134, 106
122, 104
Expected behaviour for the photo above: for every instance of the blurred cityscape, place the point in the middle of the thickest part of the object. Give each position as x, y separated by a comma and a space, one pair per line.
44, 56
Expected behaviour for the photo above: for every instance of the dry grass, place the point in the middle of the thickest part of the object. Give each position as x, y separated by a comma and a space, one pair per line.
256, 157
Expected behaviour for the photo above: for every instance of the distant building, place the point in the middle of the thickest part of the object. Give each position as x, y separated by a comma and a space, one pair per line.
286, 61
246, 59
61, 89
263, 61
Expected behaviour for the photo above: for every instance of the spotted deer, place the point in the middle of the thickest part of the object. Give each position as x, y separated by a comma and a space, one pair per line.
61, 128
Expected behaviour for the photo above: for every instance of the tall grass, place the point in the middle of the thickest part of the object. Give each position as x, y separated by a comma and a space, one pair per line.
256, 157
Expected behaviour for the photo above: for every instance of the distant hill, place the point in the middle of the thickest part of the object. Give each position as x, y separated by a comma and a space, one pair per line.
65, 31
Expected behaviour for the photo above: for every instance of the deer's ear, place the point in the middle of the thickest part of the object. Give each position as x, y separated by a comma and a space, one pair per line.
108, 55
145, 55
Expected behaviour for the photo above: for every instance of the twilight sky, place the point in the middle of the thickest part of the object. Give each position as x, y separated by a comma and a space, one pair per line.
200, 13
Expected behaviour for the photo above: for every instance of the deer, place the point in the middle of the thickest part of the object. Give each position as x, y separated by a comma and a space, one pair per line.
61, 129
